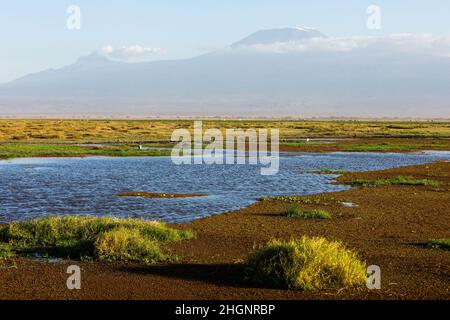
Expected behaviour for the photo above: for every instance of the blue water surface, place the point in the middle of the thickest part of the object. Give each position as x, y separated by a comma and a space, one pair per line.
35, 187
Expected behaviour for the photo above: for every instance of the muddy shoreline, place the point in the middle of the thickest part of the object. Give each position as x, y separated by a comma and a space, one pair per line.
388, 228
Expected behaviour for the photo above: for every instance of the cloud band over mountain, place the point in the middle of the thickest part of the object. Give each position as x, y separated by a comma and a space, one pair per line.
130, 52
408, 43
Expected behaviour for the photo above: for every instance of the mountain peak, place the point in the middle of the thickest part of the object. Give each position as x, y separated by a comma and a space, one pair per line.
93, 58
275, 35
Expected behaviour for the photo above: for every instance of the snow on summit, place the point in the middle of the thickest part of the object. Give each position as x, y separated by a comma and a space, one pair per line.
277, 35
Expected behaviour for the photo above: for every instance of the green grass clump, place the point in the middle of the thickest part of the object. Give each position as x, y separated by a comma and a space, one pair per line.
295, 211
6, 252
122, 244
25, 150
443, 244
305, 264
397, 180
390, 147
104, 239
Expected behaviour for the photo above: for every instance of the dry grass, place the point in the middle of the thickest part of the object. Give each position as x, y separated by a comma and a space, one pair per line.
154, 130
36, 138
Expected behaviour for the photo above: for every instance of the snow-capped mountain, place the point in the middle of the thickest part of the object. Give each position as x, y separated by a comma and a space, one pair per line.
278, 35
354, 78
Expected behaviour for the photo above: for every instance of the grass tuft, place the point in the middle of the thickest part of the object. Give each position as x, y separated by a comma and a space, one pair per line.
294, 211
122, 244
6, 252
104, 239
305, 264
397, 180
443, 244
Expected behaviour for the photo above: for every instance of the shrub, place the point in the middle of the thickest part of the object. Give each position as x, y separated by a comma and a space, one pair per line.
305, 264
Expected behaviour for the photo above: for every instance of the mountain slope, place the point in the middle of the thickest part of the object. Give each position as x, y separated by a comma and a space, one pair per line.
240, 80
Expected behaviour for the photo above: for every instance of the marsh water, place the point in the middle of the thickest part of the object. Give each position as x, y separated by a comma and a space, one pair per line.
35, 187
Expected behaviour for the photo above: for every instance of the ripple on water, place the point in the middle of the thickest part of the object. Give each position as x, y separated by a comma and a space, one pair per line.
35, 187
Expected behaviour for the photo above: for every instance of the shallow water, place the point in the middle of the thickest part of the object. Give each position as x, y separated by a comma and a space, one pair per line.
35, 187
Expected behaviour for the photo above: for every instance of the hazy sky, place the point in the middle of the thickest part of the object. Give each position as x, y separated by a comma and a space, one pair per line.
34, 35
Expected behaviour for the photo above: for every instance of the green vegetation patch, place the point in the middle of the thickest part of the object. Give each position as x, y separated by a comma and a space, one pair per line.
305, 264
24, 150
389, 147
397, 180
6, 251
93, 238
443, 244
296, 211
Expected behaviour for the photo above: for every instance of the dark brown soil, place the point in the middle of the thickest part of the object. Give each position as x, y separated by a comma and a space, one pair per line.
384, 144
388, 228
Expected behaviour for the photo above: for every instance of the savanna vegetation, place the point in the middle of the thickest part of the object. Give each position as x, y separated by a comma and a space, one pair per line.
28, 138
161, 130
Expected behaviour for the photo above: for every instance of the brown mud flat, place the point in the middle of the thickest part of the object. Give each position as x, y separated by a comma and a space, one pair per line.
388, 228
370, 144
160, 195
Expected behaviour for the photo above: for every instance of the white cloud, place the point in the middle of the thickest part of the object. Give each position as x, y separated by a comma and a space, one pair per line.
418, 43
130, 52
